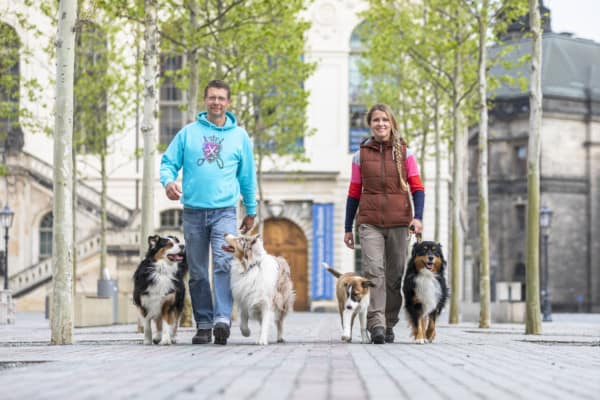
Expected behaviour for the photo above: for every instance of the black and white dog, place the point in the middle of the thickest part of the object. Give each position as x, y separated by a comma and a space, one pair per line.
158, 288
424, 289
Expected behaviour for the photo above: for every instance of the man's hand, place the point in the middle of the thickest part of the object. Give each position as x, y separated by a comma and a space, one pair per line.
173, 190
416, 226
349, 240
247, 223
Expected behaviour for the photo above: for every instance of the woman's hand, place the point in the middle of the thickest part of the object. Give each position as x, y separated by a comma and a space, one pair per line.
349, 240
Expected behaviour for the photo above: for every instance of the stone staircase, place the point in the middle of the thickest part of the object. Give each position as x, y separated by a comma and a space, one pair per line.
88, 256
87, 196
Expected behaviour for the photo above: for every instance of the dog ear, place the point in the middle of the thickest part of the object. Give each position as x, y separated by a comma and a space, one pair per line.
414, 250
367, 283
152, 240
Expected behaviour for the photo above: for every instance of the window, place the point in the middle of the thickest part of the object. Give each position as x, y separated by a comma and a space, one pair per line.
171, 118
520, 216
520, 152
46, 236
9, 82
357, 111
90, 126
170, 219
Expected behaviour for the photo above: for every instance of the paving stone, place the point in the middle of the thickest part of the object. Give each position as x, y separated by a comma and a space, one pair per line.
464, 362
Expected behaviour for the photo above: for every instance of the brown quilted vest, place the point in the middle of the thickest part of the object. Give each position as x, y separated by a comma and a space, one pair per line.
383, 202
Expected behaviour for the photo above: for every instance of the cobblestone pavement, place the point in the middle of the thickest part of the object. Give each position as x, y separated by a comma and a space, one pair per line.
464, 363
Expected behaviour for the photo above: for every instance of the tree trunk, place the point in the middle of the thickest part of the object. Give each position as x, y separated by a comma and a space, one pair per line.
484, 240
104, 273
192, 103
148, 125
149, 122
192, 60
438, 164
458, 191
74, 205
61, 317
533, 323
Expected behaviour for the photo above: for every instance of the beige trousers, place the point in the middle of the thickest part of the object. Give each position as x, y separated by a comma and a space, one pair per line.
384, 252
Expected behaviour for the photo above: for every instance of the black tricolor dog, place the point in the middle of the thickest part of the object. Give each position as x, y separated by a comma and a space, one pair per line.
424, 289
158, 288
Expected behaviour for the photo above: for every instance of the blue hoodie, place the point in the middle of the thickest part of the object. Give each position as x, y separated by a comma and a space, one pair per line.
217, 164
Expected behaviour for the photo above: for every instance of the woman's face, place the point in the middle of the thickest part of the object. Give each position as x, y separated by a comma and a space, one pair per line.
381, 126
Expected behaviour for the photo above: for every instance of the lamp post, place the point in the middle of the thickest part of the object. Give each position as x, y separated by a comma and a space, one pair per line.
6, 220
545, 224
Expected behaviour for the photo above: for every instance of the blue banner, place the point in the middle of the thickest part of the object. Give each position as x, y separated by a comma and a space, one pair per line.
322, 281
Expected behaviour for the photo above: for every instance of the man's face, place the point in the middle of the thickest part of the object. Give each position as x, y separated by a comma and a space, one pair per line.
216, 102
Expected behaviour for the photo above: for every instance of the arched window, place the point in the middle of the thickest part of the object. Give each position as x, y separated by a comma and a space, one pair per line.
171, 117
10, 133
356, 110
171, 219
46, 236
91, 101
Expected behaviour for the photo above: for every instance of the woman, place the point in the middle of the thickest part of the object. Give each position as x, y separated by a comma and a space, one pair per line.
383, 171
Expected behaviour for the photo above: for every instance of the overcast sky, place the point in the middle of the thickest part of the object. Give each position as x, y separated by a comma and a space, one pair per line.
581, 17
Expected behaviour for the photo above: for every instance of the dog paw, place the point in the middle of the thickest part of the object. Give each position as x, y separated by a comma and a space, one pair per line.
245, 331
147, 341
280, 340
365, 339
346, 339
262, 342
156, 340
419, 341
165, 342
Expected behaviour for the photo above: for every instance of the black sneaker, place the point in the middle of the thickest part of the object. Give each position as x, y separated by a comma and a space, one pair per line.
202, 336
221, 333
389, 335
377, 335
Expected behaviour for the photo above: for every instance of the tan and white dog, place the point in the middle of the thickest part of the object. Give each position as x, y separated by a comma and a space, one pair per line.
261, 285
353, 296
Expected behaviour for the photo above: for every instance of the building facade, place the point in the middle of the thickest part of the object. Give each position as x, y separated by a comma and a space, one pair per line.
569, 172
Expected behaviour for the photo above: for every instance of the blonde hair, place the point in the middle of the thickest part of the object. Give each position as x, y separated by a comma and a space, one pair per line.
396, 139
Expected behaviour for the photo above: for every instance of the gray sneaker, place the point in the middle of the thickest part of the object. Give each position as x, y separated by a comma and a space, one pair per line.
202, 336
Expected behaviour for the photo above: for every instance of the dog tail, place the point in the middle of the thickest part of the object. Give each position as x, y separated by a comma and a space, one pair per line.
333, 272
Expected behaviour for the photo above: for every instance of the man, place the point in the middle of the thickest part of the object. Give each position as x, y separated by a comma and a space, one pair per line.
217, 163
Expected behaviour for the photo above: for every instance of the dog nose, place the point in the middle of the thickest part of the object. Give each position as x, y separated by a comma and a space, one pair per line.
349, 307
182, 247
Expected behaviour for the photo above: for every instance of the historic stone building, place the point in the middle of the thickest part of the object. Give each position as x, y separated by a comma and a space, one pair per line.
305, 202
569, 170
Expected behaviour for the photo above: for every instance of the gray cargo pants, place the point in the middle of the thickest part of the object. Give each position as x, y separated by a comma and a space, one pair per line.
384, 252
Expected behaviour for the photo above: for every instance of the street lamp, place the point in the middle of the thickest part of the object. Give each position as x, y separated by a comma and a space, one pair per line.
545, 224
6, 220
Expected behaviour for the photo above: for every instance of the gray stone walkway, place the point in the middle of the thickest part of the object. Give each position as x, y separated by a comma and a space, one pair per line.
464, 363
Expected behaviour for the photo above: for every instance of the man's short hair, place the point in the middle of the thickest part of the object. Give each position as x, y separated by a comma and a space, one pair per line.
219, 84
